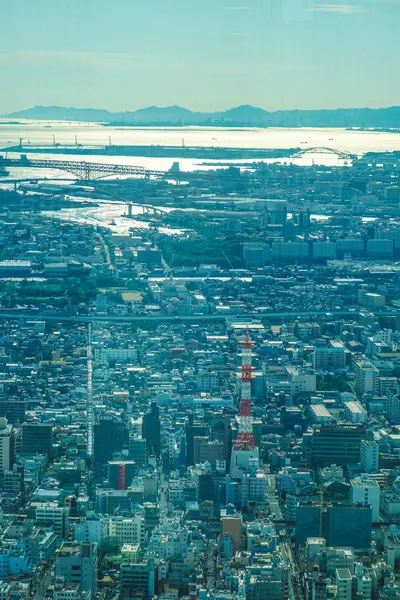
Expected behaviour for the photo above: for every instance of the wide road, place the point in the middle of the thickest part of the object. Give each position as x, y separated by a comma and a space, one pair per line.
274, 506
246, 317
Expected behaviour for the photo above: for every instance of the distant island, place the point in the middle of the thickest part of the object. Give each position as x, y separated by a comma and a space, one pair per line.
241, 116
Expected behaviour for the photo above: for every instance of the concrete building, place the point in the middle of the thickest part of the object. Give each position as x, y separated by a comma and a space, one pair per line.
77, 564
232, 526
371, 300
369, 456
129, 530
393, 408
366, 378
37, 438
350, 246
324, 250
137, 579
7, 446
349, 525
57, 516
365, 490
355, 412
267, 578
362, 583
290, 251
320, 414
338, 444
329, 358
344, 584
91, 529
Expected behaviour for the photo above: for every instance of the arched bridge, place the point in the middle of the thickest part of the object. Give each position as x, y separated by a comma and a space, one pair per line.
323, 150
86, 170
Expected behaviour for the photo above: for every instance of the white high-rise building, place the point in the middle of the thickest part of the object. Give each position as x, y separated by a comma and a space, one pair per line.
369, 456
366, 378
127, 530
365, 490
344, 584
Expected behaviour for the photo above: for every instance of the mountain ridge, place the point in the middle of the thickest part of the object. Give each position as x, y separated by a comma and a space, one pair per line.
244, 115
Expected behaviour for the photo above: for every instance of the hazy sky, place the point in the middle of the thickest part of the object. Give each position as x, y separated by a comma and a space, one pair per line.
202, 54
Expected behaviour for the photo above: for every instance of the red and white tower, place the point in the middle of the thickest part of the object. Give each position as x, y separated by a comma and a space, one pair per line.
244, 448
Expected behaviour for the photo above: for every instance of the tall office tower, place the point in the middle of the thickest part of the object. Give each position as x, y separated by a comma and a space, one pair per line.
244, 448
37, 437
110, 436
349, 525
337, 443
13, 408
120, 474
7, 446
193, 430
151, 430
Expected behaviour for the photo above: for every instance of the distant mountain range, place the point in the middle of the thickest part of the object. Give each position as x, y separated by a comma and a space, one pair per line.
241, 116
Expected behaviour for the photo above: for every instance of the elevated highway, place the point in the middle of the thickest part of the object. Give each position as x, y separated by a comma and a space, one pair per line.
129, 318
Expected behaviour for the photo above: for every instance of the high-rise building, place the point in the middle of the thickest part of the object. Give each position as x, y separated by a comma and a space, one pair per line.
14, 480
353, 246
138, 451
110, 436
338, 444
315, 585
363, 583
365, 490
231, 525
324, 250
329, 358
349, 525
369, 456
244, 448
209, 451
344, 584
13, 409
290, 251
137, 580
367, 376
58, 516
7, 446
129, 530
37, 438
393, 408
307, 522
120, 474
77, 563
268, 578
193, 430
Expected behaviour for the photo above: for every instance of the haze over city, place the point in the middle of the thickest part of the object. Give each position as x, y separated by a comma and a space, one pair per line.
206, 55
199, 300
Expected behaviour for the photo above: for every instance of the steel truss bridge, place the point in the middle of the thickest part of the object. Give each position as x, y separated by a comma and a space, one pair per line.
323, 150
86, 171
